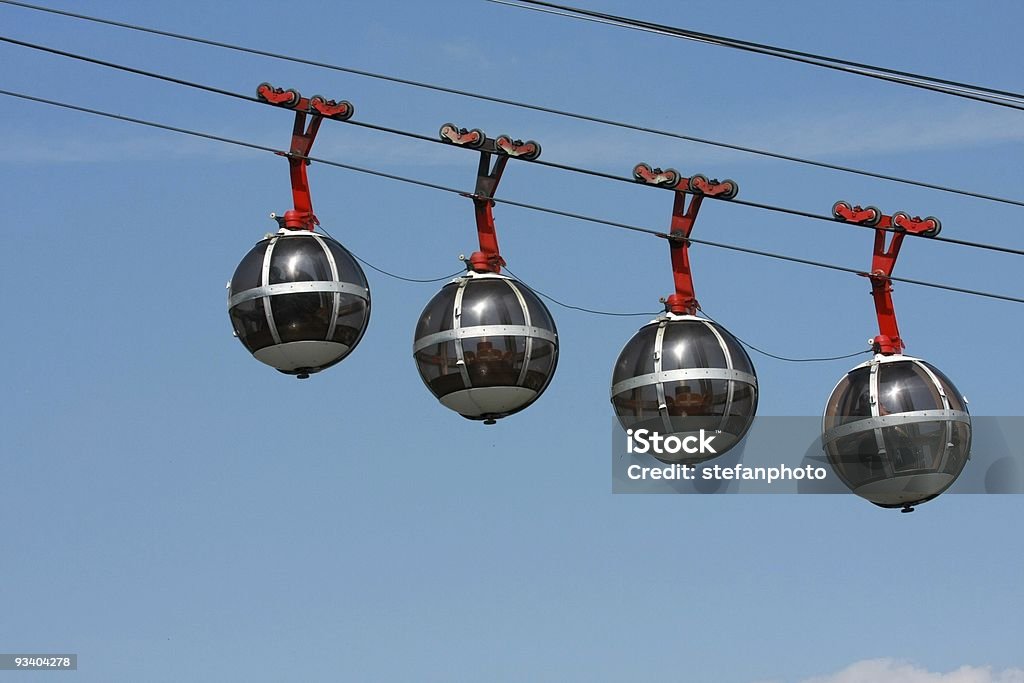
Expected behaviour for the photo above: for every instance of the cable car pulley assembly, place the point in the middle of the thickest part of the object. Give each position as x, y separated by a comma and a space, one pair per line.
299, 301
486, 346
895, 429
680, 373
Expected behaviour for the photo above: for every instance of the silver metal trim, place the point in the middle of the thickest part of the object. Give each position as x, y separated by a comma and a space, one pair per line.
460, 355
314, 286
675, 375
659, 388
264, 279
528, 348
728, 364
336, 278
873, 390
483, 331
877, 422
948, 440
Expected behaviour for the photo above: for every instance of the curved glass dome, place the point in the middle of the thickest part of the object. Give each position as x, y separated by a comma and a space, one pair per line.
896, 431
680, 374
299, 302
486, 346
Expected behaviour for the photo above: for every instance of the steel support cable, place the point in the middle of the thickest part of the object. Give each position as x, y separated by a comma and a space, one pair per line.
426, 138
945, 86
509, 202
521, 105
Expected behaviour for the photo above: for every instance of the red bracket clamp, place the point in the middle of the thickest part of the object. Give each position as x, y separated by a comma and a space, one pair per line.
697, 184
888, 342
488, 259
302, 217
683, 301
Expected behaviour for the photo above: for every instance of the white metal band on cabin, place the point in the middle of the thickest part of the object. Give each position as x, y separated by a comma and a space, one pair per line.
308, 287
528, 351
727, 411
460, 358
659, 388
676, 375
876, 423
478, 331
264, 278
335, 277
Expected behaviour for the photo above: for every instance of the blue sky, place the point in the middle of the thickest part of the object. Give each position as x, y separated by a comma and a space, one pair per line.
174, 510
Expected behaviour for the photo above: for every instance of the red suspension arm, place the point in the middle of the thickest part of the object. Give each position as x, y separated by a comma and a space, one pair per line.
318, 108
488, 259
684, 300
888, 342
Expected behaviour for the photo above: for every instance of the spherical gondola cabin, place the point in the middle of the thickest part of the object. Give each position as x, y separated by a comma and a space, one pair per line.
299, 302
896, 431
681, 374
486, 346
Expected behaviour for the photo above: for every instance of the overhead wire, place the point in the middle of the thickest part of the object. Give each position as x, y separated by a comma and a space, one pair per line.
594, 311
426, 138
509, 202
515, 103
979, 93
786, 358
395, 276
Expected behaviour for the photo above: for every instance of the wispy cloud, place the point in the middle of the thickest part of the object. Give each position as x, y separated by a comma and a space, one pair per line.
896, 671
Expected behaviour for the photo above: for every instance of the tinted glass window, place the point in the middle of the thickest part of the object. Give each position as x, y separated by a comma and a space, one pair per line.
740, 359
956, 399
250, 322
493, 361
856, 458
540, 316
915, 446
490, 302
696, 404
302, 317
690, 344
958, 449
349, 269
851, 400
298, 259
637, 357
249, 272
638, 408
438, 368
744, 405
543, 359
905, 386
437, 316
353, 312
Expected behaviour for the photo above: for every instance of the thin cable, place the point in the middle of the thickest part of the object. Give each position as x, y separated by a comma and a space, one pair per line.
576, 308
391, 275
784, 358
402, 277
425, 138
522, 105
556, 212
944, 86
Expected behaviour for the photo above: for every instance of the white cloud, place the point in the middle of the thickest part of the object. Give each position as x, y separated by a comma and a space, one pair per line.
897, 671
